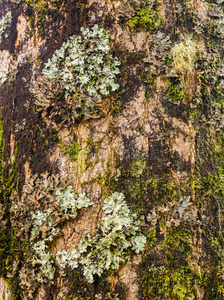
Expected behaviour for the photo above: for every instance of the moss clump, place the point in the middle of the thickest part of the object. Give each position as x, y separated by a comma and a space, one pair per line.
71, 150
176, 93
40, 11
145, 18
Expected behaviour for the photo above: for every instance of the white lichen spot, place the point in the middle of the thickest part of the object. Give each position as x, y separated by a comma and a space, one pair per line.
5, 59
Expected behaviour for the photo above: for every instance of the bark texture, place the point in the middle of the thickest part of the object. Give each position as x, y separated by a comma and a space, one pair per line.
158, 139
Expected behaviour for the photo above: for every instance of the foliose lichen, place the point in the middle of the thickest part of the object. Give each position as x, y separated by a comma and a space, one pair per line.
84, 63
31, 216
5, 22
81, 72
105, 249
69, 203
5, 59
146, 17
110, 245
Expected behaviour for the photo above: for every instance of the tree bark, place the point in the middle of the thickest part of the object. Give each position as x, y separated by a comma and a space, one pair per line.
155, 137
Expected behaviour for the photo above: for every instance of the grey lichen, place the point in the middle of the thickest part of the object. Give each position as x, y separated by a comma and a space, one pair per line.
6, 60
159, 52
38, 194
174, 213
33, 214
50, 100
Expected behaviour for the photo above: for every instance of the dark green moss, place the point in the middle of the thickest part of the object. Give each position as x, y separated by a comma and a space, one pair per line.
143, 187
11, 247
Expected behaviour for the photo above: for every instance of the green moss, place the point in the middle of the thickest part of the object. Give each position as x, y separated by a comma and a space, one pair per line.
142, 186
79, 285
172, 267
148, 80
168, 273
208, 188
40, 9
175, 92
138, 166
11, 247
145, 18
70, 150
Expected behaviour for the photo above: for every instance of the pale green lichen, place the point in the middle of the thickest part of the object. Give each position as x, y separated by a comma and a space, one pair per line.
5, 22
39, 219
69, 203
107, 248
20, 127
6, 60
83, 63
43, 257
45, 260
68, 258
75, 79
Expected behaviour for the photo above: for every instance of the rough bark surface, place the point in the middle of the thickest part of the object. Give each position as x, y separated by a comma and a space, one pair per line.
157, 139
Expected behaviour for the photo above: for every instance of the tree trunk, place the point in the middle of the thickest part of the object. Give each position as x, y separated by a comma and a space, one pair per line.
121, 101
